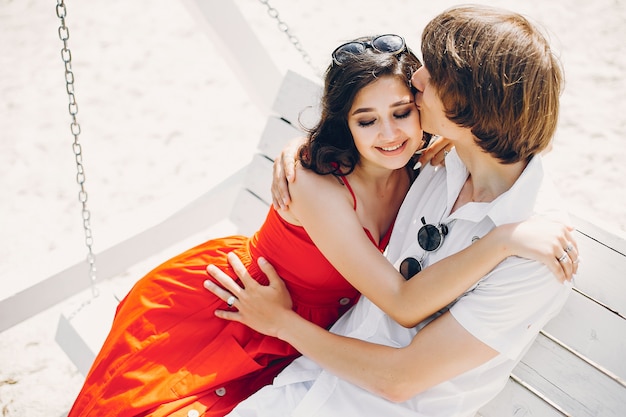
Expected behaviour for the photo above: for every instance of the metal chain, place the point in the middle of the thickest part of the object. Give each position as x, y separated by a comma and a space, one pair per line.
66, 56
283, 27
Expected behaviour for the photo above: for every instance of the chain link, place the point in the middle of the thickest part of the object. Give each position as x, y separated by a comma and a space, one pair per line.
283, 27
66, 56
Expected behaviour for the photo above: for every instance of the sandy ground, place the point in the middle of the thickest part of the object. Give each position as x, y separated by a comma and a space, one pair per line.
163, 118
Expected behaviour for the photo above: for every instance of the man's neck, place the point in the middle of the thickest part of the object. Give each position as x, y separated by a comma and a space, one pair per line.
488, 177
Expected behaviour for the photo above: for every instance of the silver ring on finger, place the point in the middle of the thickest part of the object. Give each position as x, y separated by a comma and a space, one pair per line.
568, 248
563, 257
231, 300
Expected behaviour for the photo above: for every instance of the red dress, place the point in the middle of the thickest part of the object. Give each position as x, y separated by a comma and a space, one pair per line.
167, 354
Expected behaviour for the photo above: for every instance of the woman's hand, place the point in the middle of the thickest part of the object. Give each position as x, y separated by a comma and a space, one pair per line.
263, 308
547, 241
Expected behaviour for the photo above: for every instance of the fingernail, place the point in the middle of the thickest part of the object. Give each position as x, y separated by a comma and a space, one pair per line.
418, 165
262, 261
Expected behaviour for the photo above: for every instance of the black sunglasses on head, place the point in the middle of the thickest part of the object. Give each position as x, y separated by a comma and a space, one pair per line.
430, 238
390, 44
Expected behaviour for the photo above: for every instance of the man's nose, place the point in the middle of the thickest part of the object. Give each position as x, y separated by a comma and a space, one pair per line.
416, 81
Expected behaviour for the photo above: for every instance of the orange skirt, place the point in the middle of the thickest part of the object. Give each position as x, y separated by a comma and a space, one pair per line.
167, 353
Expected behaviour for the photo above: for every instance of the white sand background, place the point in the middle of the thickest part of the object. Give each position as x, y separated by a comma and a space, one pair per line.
163, 119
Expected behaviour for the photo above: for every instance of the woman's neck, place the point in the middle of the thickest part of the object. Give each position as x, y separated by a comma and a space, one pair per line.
375, 176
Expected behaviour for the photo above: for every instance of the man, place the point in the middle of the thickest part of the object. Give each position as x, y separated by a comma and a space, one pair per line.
491, 85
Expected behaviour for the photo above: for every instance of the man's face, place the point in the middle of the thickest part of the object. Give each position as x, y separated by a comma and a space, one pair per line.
432, 114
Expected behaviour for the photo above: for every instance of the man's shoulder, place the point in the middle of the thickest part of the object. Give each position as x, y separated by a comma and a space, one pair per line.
509, 306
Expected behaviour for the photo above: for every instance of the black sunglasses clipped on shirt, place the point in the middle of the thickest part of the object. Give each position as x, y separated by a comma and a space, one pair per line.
430, 238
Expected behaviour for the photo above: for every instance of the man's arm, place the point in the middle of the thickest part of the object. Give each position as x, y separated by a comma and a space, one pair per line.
440, 351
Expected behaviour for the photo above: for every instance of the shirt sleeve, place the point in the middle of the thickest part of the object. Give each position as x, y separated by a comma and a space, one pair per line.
508, 308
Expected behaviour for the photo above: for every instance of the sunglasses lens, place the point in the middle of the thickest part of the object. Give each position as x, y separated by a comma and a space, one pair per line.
342, 54
409, 267
388, 43
429, 237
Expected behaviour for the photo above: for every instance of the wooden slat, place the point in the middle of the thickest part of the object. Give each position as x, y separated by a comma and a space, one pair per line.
298, 100
551, 381
517, 400
259, 178
610, 240
593, 332
602, 272
276, 134
576, 386
249, 213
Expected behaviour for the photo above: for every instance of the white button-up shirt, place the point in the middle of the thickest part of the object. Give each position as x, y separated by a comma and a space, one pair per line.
505, 310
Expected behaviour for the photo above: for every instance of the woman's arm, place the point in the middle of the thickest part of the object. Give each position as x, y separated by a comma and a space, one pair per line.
321, 206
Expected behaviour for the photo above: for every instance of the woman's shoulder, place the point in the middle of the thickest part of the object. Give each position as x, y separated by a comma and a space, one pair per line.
306, 178
310, 186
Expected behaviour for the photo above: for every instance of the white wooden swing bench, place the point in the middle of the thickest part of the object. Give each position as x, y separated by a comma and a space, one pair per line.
576, 367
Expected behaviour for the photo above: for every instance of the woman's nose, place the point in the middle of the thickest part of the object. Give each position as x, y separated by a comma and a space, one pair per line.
389, 129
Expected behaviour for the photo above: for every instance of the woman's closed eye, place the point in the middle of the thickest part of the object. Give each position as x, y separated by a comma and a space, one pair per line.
404, 114
366, 123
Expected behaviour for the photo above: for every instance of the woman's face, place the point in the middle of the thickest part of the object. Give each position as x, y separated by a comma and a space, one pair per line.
385, 123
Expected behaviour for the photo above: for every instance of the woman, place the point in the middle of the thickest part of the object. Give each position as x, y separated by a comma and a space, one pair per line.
167, 354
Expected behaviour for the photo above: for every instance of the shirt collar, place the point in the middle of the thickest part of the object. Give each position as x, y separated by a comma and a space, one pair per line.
514, 205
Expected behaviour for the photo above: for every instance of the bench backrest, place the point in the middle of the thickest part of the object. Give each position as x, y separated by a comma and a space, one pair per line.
576, 366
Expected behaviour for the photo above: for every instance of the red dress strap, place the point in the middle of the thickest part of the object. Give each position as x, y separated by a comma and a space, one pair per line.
384, 240
347, 184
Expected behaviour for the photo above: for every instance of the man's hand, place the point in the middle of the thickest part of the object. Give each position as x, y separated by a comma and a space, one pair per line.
436, 151
284, 172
